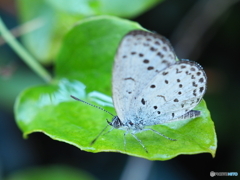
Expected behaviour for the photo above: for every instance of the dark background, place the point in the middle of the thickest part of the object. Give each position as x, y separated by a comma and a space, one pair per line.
206, 31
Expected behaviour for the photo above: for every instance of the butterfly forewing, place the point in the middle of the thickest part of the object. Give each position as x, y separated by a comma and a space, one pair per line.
140, 57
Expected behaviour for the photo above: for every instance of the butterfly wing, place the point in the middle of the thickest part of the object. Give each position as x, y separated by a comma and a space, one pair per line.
172, 93
140, 57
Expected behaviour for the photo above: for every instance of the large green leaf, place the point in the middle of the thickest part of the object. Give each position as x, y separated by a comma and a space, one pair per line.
54, 18
83, 69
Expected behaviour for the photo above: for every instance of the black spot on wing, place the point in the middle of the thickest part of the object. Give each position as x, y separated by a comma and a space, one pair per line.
143, 101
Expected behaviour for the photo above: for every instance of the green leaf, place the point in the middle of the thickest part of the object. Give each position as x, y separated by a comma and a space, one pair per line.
83, 69
53, 172
88, 51
52, 19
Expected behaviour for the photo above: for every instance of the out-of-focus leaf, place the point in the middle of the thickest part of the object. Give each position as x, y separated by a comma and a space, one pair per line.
53, 172
121, 8
54, 18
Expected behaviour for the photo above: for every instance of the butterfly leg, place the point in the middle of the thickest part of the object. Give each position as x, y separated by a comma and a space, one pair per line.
109, 131
149, 129
139, 142
93, 141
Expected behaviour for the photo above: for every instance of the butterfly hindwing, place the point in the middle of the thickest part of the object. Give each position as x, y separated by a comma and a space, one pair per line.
172, 93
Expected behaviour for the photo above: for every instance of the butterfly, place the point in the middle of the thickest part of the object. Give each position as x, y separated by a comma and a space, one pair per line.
150, 86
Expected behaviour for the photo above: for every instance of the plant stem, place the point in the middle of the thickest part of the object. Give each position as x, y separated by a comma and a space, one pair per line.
26, 57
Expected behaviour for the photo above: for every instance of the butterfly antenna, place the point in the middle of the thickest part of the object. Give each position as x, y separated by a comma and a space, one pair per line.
91, 105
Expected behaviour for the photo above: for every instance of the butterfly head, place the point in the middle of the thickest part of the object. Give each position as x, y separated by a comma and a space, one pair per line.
116, 122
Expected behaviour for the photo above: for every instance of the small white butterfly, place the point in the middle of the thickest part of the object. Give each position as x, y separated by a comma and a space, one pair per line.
150, 86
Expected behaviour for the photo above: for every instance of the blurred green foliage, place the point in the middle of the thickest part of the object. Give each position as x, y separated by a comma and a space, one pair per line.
53, 172
57, 17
